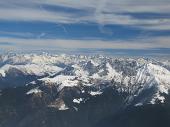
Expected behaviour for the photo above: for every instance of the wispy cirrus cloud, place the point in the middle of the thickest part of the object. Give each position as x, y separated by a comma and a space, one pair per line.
102, 12
89, 24
157, 42
147, 47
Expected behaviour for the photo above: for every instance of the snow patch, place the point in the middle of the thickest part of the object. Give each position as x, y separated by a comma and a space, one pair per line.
77, 100
63, 107
95, 93
138, 104
34, 91
2, 73
158, 97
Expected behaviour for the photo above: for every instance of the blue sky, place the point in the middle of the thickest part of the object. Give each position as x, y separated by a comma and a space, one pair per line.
120, 27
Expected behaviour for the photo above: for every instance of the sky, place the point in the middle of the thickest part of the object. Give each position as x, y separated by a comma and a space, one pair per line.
118, 27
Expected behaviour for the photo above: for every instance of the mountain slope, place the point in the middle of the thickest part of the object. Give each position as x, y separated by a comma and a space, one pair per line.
133, 76
71, 91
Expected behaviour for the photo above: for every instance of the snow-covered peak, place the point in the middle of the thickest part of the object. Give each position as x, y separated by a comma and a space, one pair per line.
31, 69
133, 76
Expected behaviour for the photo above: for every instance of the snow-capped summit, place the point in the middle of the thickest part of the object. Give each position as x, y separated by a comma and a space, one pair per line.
132, 76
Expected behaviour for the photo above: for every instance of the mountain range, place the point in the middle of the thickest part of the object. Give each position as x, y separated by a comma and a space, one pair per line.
51, 90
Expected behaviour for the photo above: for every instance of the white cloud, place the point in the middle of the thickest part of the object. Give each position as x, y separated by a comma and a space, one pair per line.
36, 44
32, 10
19, 14
22, 34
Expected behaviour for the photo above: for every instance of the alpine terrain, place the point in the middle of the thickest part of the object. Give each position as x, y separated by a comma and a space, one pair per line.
45, 90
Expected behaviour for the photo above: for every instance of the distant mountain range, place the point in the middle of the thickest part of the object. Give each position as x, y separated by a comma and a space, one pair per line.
88, 91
